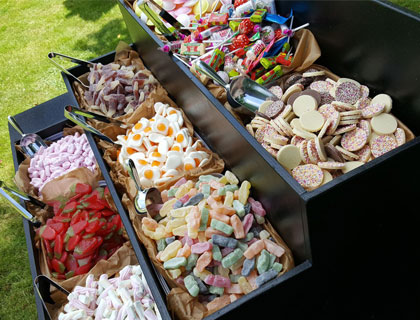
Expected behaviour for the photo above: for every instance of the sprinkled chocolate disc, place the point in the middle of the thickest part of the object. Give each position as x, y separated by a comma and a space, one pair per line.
272, 151
354, 140
296, 140
399, 136
364, 153
365, 125
303, 150
331, 165
364, 91
262, 115
321, 86
293, 97
347, 92
373, 110
326, 98
345, 129
380, 145
263, 131
305, 81
333, 153
347, 153
277, 91
308, 175
313, 154
329, 112
274, 109
362, 103
292, 80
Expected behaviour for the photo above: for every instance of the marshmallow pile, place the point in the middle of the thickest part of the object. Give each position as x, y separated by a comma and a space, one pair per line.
161, 147
65, 155
125, 297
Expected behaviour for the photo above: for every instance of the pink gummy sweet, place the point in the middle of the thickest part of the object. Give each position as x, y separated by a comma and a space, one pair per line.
225, 251
184, 199
201, 247
254, 249
217, 281
180, 182
273, 248
257, 207
252, 241
247, 222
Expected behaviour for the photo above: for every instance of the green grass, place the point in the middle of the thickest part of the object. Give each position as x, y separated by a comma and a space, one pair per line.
29, 29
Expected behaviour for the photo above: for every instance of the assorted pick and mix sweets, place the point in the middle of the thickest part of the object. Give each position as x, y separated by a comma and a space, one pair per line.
210, 236
127, 296
83, 231
321, 128
233, 37
61, 157
161, 147
115, 89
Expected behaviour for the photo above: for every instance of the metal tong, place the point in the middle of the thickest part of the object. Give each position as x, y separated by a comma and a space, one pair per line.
81, 62
25, 213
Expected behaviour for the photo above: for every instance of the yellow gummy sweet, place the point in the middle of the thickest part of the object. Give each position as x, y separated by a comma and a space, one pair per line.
202, 236
231, 178
181, 212
167, 207
243, 193
228, 199
175, 273
165, 221
183, 190
223, 180
202, 275
180, 231
148, 233
174, 223
171, 250
160, 233
237, 264
244, 284
224, 272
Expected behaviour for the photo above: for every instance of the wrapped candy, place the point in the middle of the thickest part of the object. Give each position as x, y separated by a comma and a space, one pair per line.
271, 75
217, 59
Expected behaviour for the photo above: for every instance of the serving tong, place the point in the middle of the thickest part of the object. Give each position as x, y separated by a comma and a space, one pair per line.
81, 62
25, 213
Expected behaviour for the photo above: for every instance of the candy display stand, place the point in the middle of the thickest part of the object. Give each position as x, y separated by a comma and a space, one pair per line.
356, 220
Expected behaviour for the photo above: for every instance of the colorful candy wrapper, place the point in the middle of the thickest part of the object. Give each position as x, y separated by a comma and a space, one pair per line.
192, 49
229, 64
284, 59
234, 25
269, 5
269, 62
258, 15
244, 9
258, 72
277, 18
271, 75
218, 19
217, 59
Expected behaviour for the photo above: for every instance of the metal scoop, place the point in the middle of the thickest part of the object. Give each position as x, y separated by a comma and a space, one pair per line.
145, 198
25, 213
81, 62
31, 142
242, 91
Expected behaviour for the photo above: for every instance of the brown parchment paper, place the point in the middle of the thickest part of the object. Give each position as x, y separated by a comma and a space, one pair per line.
124, 256
179, 300
409, 135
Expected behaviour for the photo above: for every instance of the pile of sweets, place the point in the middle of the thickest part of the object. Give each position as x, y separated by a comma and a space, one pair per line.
241, 37
116, 90
125, 297
83, 231
211, 240
62, 156
161, 147
320, 128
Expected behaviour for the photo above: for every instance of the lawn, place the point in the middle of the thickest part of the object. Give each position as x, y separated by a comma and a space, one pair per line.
29, 29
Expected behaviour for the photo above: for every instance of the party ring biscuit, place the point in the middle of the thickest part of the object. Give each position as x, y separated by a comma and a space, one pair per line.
384, 123
274, 109
303, 151
347, 92
354, 140
308, 175
372, 110
345, 129
331, 165
364, 153
382, 144
347, 153
400, 136
277, 91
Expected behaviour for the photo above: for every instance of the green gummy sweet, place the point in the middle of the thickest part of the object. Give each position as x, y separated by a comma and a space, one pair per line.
221, 191
175, 263
206, 178
231, 187
206, 190
216, 290
161, 244
197, 185
263, 261
217, 254
234, 277
191, 285
272, 259
232, 258
277, 266
191, 261
204, 219
242, 246
221, 226
172, 191
259, 219
239, 207
249, 236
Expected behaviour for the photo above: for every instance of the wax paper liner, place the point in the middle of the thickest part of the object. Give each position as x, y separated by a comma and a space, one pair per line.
123, 257
59, 186
124, 56
409, 135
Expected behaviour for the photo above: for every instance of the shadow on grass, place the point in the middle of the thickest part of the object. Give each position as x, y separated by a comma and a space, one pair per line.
106, 39
90, 10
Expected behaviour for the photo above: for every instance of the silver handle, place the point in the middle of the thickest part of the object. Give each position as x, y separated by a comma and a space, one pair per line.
132, 171
88, 64
15, 125
204, 68
25, 213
